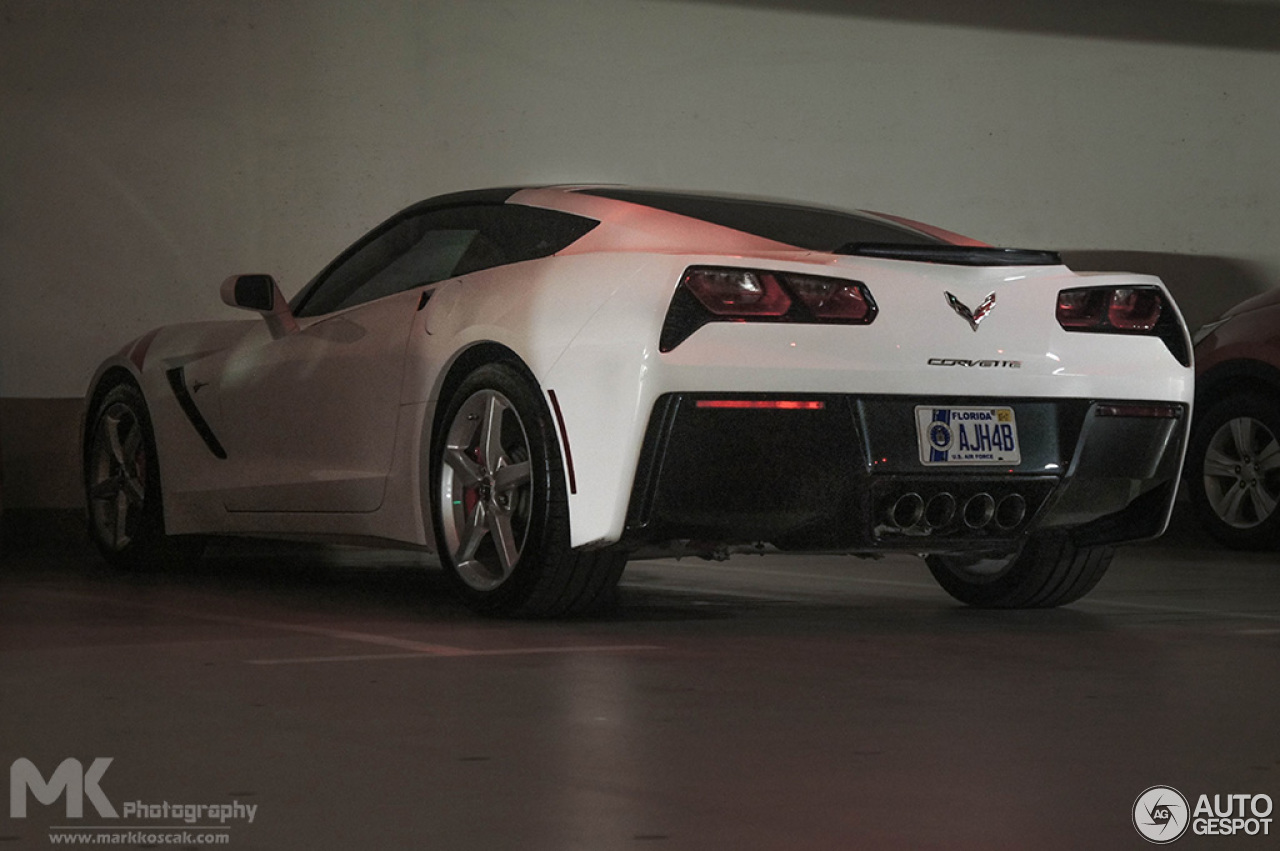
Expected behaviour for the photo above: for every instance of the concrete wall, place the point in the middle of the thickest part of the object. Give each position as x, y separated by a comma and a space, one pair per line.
150, 147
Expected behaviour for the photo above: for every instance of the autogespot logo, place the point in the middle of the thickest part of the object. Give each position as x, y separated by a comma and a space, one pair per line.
1160, 814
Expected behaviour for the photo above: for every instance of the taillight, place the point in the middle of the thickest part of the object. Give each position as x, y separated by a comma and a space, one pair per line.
1135, 309
718, 294
831, 298
1080, 310
1124, 310
737, 292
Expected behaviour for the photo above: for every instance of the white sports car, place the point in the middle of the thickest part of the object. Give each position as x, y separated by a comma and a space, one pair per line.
538, 384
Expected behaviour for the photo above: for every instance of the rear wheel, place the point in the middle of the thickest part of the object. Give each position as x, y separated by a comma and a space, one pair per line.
1049, 571
1233, 471
122, 484
501, 510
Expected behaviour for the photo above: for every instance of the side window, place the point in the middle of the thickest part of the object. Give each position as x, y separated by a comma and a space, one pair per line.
419, 249
405, 253
431, 258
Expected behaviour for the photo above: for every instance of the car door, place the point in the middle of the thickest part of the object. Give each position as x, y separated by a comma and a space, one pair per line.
309, 418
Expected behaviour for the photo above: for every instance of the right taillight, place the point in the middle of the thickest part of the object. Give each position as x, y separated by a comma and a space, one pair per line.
1135, 309
1123, 310
719, 294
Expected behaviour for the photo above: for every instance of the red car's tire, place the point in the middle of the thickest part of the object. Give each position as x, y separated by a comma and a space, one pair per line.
1233, 471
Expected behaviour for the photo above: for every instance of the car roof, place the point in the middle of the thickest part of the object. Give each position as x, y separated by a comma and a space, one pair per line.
779, 223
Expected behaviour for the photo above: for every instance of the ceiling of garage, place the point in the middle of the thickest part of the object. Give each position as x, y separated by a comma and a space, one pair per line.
1245, 24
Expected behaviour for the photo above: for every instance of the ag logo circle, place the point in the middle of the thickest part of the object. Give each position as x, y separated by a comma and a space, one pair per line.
1160, 814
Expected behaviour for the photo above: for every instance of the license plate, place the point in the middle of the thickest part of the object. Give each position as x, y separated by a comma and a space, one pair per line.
967, 435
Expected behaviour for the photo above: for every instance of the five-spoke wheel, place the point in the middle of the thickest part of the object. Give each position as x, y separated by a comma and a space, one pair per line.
122, 482
486, 489
117, 477
501, 507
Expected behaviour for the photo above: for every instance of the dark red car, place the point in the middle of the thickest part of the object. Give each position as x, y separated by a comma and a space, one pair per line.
1233, 463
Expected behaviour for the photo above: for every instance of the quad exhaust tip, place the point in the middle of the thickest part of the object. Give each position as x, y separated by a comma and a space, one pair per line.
911, 510
940, 510
906, 511
1010, 511
978, 510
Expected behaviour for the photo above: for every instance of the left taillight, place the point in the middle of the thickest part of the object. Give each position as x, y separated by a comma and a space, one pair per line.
737, 292
718, 294
1123, 310
832, 299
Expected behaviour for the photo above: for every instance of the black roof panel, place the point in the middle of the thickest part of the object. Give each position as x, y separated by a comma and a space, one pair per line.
811, 228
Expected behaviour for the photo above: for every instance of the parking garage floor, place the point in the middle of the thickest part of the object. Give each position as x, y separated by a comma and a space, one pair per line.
338, 699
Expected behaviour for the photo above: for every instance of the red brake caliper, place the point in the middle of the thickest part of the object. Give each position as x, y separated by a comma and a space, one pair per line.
471, 495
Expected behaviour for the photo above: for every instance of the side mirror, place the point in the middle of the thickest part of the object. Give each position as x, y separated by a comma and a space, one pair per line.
260, 293
252, 292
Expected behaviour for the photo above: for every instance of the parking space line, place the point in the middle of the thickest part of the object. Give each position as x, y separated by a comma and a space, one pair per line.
414, 648
281, 626
514, 651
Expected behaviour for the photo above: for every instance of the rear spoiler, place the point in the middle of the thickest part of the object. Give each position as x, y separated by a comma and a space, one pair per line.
955, 255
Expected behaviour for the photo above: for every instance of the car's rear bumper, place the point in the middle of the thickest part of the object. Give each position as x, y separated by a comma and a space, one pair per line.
846, 475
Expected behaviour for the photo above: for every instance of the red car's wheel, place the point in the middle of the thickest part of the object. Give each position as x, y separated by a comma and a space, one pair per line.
1233, 470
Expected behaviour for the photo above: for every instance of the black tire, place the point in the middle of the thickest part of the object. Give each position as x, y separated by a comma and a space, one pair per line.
501, 512
122, 485
1049, 571
1233, 471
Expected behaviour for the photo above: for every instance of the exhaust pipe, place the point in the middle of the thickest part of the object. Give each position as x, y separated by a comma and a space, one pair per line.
1010, 511
906, 511
940, 510
978, 510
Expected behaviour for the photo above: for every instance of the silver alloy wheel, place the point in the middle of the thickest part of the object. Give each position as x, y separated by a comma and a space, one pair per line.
117, 476
1242, 472
486, 489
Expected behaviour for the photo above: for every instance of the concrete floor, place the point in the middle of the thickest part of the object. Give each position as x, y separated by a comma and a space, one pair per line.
763, 703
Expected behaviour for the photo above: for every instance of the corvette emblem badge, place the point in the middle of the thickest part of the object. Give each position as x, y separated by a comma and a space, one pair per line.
973, 317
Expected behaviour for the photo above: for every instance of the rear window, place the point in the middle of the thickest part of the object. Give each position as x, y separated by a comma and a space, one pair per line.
804, 227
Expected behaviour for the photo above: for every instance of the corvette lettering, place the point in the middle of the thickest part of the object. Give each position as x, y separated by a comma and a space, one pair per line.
981, 364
